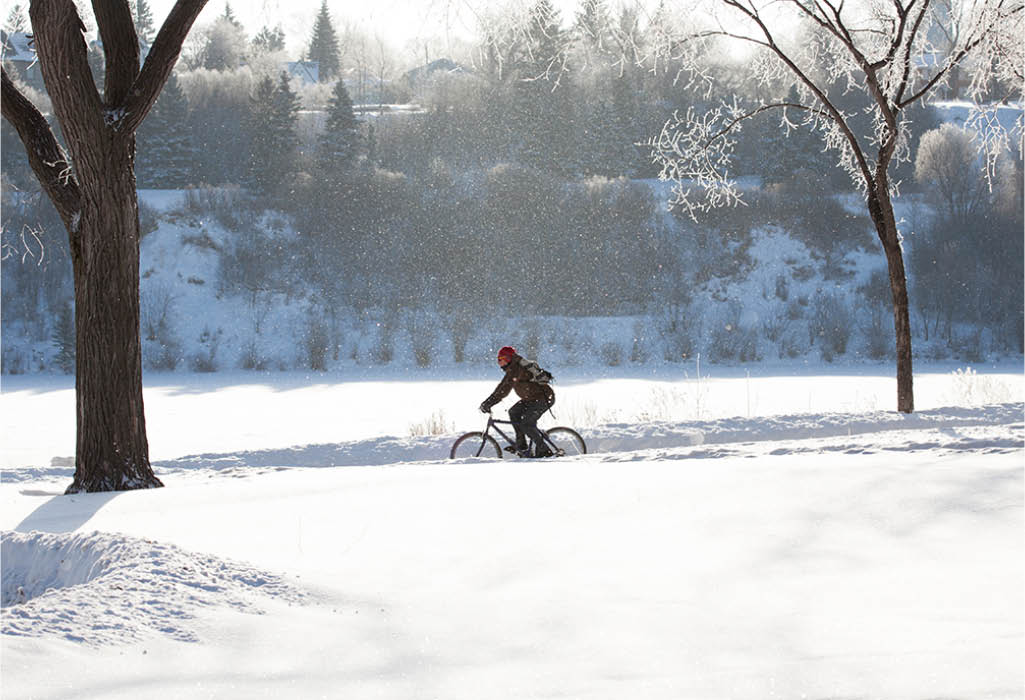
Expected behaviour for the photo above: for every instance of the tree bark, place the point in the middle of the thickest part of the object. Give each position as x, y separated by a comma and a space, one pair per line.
881, 210
112, 451
112, 448
93, 189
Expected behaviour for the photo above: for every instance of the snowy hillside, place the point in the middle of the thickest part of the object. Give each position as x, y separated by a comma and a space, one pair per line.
223, 288
730, 542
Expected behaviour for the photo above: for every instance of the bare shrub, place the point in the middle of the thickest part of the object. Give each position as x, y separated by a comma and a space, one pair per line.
728, 342
202, 240
161, 347
435, 424
12, 361
532, 342
229, 206
206, 359
253, 358
611, 354
423, 338
383, 351
879, 335
459, 324
638, 348
677, 326
776, 330
830, 325
149, 219
315, 342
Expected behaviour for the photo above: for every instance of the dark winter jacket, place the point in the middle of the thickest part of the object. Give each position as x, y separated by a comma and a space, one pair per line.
519, 379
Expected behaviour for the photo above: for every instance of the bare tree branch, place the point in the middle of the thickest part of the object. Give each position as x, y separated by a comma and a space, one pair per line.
120, 48
47, 158
970, 45
159, 63
732, 124
63, 60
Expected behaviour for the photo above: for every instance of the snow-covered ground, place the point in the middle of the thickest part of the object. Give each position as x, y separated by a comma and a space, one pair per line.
754, 533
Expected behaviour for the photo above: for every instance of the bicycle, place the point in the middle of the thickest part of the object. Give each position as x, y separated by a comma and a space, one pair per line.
479, 443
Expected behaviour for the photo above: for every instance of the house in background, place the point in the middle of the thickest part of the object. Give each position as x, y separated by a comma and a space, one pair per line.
306, 71
416, 78
19, 53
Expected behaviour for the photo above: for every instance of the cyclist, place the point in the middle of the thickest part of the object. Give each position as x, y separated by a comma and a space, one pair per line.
536, 397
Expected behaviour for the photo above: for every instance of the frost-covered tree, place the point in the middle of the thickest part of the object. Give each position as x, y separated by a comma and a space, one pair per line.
542, 105
875, 48
269, 40
592, 29
226, 44
948, 164
92, 186
16, 21
143, 16
324, 45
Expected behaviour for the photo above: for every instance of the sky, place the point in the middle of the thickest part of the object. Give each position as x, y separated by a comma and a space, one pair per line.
402, 23
400, 20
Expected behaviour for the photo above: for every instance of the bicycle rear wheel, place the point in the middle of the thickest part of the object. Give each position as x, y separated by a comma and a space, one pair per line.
475, 444
567, 440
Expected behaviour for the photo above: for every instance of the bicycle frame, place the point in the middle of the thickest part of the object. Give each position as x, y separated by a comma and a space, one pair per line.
493, 423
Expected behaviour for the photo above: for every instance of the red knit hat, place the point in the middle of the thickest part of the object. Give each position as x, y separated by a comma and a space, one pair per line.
507, 351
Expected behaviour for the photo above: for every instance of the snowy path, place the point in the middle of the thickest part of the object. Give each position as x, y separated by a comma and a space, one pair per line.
601, 440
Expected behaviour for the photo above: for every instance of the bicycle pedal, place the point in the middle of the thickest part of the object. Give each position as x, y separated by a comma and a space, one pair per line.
510, 448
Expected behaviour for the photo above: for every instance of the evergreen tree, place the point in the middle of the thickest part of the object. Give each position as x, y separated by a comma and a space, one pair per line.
592, 28
16, 21
544, 111
626, 130
165, 154
269, 40
340, 140
63, 338
219, 131
545, 57
226, 43
273, 114
144, 26
605, 139
229, 16
324, 45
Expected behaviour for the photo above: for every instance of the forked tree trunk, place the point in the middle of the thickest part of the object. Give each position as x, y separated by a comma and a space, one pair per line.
93, 189
112, 449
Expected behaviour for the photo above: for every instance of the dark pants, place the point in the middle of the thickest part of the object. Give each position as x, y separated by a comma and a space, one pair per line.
524, 415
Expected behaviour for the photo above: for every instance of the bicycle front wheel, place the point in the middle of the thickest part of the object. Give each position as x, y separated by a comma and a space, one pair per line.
475, 445
567, 440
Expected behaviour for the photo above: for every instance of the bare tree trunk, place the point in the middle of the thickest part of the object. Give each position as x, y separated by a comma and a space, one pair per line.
112, 449
92, 186
881, 210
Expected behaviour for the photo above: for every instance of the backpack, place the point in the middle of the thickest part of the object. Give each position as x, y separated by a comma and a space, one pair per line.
538, 375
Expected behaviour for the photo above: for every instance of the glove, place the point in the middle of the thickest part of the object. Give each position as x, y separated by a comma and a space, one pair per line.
484, 408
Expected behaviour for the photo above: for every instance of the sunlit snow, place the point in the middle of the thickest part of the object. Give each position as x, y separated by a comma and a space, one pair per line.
728, 536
